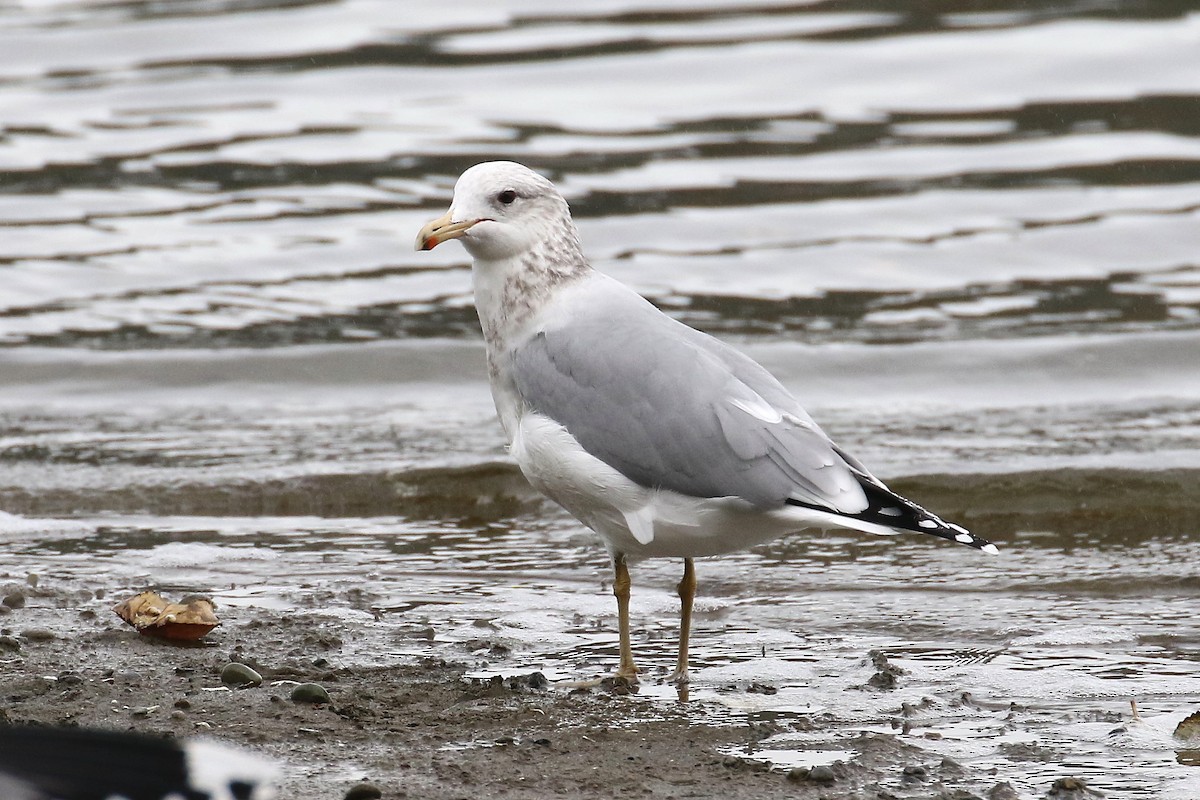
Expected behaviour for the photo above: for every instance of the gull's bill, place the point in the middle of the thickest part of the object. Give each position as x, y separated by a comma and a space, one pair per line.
441, 230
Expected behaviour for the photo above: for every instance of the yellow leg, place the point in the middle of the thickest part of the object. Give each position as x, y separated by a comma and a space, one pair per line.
627, 670
687, 593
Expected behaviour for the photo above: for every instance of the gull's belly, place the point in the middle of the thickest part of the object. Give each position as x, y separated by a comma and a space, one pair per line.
634, 520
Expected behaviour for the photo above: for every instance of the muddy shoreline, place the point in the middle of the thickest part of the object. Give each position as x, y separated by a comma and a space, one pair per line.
430, 728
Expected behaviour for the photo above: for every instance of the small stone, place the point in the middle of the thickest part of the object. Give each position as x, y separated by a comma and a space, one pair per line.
798, 774
14, 600
762, 730
1189, 727
32, 579
617, 685
1003, 791
69, 678
884, 679
38, 635
542, 742
363, 791
127, 676
538, 681
822, 774
178, 715
310, 693
143, 711
887, 674
10, 643
239, 675
183, 704
915, 772
732, 762
1071, 788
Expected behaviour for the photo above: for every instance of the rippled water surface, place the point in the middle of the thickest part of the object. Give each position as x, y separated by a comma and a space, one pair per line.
965, 234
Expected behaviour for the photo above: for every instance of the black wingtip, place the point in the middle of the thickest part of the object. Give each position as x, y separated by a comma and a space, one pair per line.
885, 507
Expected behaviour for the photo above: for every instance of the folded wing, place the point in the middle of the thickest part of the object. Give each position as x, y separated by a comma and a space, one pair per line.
670, 407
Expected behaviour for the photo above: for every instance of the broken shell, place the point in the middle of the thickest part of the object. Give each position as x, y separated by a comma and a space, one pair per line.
153, 615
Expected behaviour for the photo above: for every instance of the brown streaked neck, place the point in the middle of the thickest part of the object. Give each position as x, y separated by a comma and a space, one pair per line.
509, 292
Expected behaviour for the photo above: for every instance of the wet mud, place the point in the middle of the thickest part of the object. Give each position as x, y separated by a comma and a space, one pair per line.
444, 728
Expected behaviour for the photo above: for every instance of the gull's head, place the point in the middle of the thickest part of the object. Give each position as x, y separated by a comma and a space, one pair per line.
500, 210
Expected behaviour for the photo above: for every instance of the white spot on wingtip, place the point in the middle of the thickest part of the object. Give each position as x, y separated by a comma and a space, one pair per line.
990, 549
891, 511
927, 523
965, 538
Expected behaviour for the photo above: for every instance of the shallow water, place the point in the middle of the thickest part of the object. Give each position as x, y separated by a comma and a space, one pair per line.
965, 238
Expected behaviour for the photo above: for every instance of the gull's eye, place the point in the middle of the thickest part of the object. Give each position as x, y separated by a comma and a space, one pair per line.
506, 197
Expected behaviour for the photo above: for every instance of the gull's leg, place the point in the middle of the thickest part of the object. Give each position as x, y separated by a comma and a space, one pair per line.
687, 593
627, 670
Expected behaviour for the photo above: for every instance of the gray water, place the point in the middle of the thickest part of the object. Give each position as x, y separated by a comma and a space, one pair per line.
964, 234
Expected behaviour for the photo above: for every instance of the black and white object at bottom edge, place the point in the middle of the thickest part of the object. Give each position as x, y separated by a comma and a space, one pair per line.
44, 763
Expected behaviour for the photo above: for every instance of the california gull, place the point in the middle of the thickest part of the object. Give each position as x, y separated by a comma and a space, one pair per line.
660, 438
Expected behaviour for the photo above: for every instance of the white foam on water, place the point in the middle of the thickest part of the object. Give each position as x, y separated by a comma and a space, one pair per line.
1078, 635
202, 554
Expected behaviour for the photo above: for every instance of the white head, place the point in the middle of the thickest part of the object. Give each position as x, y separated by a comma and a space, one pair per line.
503, 210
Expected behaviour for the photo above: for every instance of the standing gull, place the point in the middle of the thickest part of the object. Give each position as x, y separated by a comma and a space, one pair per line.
661, 439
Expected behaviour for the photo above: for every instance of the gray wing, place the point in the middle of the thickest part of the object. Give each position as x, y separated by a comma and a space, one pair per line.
671, 407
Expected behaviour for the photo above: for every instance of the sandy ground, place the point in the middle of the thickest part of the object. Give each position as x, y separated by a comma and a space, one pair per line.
417, 730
